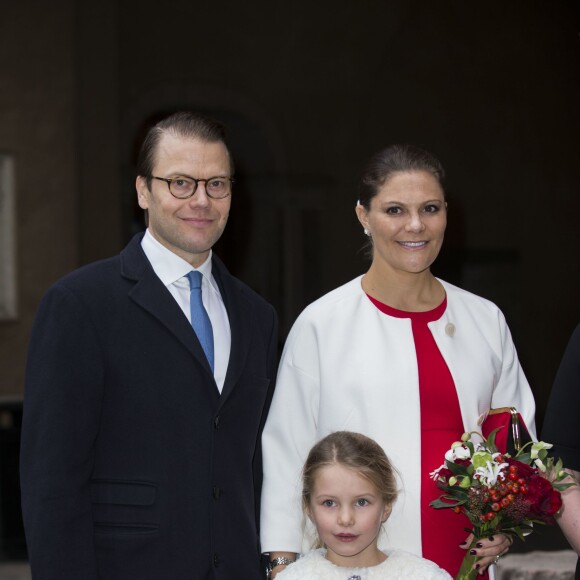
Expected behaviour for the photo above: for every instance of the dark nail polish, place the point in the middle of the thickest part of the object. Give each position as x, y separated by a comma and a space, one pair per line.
479, 545
477, 566
491, 538
472, 552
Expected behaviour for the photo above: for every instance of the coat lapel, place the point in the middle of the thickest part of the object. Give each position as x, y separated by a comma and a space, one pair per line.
151, 295
239, 312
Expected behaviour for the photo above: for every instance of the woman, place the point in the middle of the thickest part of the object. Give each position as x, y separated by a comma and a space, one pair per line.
562, 428
398, 355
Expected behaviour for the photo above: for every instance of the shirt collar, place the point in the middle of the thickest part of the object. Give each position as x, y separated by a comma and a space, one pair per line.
168, 266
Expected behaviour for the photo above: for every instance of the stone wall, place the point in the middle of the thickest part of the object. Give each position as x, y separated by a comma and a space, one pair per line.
309, 90
37, 128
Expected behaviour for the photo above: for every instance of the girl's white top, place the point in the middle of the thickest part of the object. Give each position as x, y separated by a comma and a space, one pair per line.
399, 565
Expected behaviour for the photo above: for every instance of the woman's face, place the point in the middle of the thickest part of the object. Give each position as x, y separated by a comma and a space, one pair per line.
406, 220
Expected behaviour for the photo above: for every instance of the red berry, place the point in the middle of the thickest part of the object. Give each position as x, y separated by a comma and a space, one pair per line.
513, 468
513, 476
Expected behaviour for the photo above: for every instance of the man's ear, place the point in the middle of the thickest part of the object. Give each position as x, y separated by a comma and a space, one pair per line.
143, 192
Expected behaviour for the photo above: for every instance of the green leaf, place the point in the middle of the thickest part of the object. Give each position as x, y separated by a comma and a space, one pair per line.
490, 442
438, 504
524, 458
456, 468
562, 486
521, 451
455, 492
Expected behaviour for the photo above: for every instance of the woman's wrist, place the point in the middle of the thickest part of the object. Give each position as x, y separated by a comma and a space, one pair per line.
278, 561
273, 572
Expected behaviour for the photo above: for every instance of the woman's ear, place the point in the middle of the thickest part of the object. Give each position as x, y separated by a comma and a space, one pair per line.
362, 215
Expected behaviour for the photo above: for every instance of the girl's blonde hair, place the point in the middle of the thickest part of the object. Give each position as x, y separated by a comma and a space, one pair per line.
354, 451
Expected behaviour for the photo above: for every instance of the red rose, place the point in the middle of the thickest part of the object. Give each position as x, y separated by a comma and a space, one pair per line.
543, 499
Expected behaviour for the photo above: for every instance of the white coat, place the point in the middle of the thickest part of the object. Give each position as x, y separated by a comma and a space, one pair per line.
348, 366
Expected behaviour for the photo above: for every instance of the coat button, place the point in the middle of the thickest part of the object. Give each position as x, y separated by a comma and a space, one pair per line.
216, 492
216, 422
450, 329
216, 560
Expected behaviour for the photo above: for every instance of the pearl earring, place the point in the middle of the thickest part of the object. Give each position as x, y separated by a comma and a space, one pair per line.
367, 232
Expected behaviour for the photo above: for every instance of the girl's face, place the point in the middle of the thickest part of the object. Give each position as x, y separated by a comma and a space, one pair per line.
348, 512
406, 219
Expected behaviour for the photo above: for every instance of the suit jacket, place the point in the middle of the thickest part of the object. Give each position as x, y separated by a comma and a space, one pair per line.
347, 366
132, 464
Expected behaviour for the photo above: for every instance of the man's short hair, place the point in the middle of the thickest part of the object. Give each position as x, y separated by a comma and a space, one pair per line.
186, 124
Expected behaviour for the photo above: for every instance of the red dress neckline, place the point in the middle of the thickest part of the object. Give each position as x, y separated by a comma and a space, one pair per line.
426, 316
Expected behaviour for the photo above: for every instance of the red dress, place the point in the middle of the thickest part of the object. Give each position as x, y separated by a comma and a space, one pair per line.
442, 530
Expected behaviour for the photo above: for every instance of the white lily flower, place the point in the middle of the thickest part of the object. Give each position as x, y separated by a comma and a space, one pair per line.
434, 475
537, 447
491, 472
457, 451
538, 463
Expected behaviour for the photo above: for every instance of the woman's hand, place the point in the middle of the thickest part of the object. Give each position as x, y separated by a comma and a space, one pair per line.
569, 516
488, 550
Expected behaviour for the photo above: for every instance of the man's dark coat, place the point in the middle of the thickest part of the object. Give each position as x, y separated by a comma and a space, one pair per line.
133, 466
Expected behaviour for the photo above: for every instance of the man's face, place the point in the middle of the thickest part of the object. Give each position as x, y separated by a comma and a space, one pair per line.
187, 227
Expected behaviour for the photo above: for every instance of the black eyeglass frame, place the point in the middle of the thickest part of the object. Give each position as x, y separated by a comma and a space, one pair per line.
169, 180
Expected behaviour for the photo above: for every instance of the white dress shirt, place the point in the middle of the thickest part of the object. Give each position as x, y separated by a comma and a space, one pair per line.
172, 271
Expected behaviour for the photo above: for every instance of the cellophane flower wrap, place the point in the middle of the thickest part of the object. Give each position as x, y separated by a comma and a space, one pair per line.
497, 492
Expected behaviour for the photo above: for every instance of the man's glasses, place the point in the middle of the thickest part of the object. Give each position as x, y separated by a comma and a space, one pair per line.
184, 187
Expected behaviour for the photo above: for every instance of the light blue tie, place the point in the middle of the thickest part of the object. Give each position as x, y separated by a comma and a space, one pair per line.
199, 318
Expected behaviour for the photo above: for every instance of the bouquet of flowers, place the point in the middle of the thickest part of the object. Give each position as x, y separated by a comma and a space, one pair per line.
497, 492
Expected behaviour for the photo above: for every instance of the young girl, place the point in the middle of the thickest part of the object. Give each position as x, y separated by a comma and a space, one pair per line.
349, 488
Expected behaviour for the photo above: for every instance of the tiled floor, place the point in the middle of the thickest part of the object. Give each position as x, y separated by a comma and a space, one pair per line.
538, 565
19, 571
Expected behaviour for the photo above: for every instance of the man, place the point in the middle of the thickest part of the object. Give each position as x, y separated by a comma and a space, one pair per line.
140, 444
